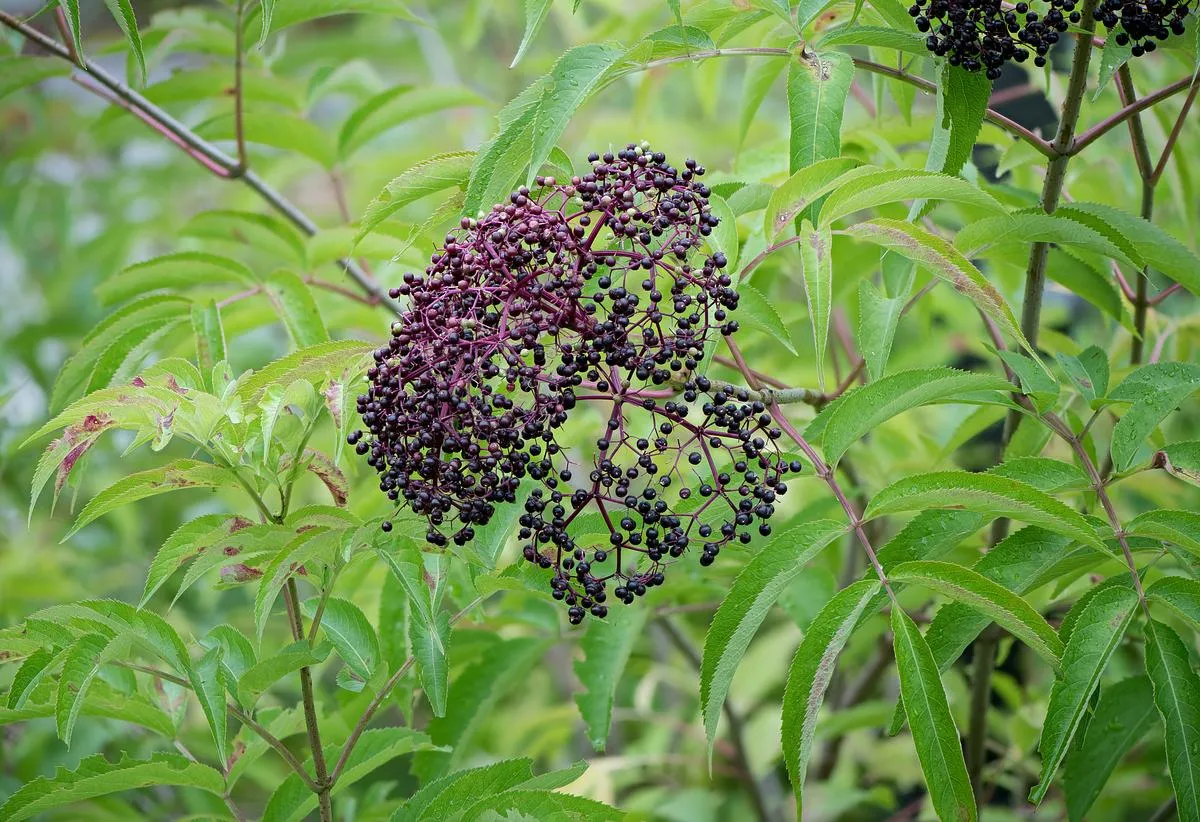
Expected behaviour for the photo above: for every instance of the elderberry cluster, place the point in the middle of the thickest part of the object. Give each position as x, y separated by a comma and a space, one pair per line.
1142, 22
986, 34
592, 299
983, 34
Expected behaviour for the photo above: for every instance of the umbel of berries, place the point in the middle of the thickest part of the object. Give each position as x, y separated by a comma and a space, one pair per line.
986, 34
583, 305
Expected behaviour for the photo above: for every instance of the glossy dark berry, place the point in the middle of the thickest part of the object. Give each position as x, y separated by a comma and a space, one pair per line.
596, 290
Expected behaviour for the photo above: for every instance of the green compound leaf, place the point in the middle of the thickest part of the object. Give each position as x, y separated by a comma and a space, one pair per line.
934, 732
745, 607
971, 588
989, 494
1177, 697
863, 409
1124, 714
96, 776
811, 671
1095, 635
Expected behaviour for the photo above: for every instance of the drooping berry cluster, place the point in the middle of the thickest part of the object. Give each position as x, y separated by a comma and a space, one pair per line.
591, 299
983, 34
986, 34
1142, 22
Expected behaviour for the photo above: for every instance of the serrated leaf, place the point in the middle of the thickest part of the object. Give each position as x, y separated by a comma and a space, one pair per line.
1023, 228
1088, 371
316, 362
816, 264
1140, 420
1177, 697
1158, 248
817, 88
865, 408
805, 187
18, 72
122, 13
993, 495
572, 80
934, 732
1112, 57
811, 671
1124, 714
173, 476
745, 607
267, 12
71, 10
1180, 594
345, 625
293, 801
1098, 630
962, 100
33, 669
606, 647
265, 673
535, 18
536, 804
184, 544
237, 654
81, 663
294, 303
102, 701
943, 261
210, 337
878, 317
288, 560
1181, 528
1043, 473
878, 37
407, 565
472, 696
96, 776
180, 271
210, 693
971, 588
1182, 460
441, 798
895, 185
438, 173
756, 311
429, 646
1036, 382
531, 124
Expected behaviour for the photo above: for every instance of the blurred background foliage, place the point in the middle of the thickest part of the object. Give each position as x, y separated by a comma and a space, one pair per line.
338, 106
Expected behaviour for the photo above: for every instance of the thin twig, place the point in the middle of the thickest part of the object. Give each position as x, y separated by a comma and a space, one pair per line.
1141, 156
1108, 124
197, 147
323, 782
239, 120
1173, 138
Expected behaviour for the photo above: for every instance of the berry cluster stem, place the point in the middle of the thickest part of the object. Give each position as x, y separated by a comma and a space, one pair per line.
322, 781
1056, 171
